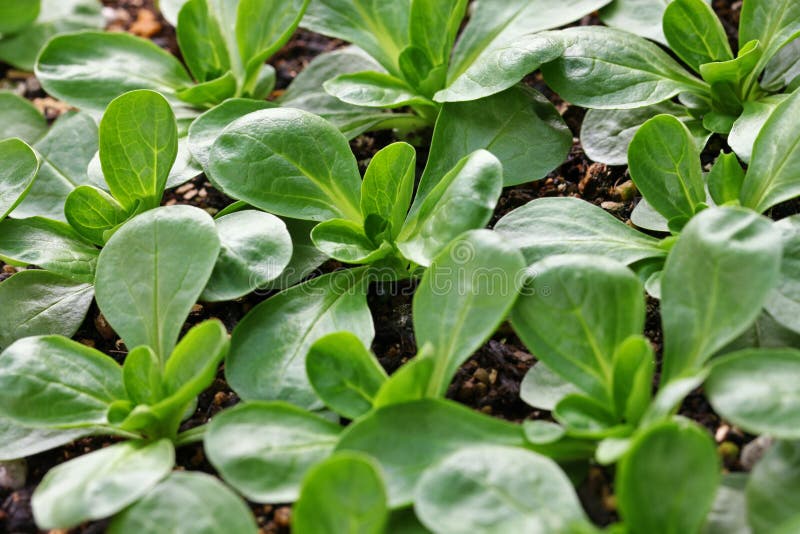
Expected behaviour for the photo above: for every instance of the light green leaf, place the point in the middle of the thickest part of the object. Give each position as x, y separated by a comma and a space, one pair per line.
18, 168
747, 127
774, 488
784, 302
729, 513
374, 89
17, 14
725, 179
783, 69
642, 17
389, 185
345, 241
92, 213
542, 388
19, 117
695, 33
143, 376
193, 364
202, 42
21, 442
772, 22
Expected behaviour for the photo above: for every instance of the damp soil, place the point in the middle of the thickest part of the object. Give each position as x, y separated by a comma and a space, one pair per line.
488, 382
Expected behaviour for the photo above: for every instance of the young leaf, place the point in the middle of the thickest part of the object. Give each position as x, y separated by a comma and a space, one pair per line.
410, 382
202, 43
176, 248
51, 245
15, 15
54, 382
542, 388
695, 33
772, 174
725, 179
265, 449
586, 418
607, 69
18, 168
664, 164
774, 488
634, 366
184, 499
42, 303
771, 22
718, 250
288, 162
344, 374
408, 438
344, 493
590, 305
20, 118
256, 248
138, 145
646, 484
757, 391
463, 200
389, 185
93, 213
374, 89
269, 346
503, 124
433, 27
90, 69
549, 226
497, 489
463, 297
143, 376
745, 130
345, 241
101, 483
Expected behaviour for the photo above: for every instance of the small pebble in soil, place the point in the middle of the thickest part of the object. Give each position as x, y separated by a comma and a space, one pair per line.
13, 474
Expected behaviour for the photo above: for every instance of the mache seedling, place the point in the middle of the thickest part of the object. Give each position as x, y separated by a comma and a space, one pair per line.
625, 79
55, 390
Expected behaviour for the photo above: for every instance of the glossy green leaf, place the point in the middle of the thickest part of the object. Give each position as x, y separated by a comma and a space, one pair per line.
406, 439
642, 17
695, 33
462, 200
389, 185
772, 174
772, 22
783, 69
54, 382
374, 89
584, 417
18, 168
774, 487
410, 382
549, 226
265, 449
288, 162
92, 213
90, 69
664, 163
757, 391
633, 369
256, 248
143, 376
646, 484
784, 302
433, 27
574, 313
542, 388
344, 374
186, 500
21, 442
101, 483
193, 364
202, 42
51, 245
176, 248
344, 493
745, 130
20, 118
345, 241
725, 179
607, 69
269, 346
463, 297
496, 489
306, 258
42, 303
720, 248
504, 124
17, 14
170, 9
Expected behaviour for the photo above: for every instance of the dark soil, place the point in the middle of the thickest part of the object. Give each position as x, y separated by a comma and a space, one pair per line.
488, 382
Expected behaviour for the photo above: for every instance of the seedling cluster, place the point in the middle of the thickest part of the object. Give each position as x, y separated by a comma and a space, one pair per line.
695, 294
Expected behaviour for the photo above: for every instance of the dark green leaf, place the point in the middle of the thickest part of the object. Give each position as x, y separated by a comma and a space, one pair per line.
725, 179
695, 33
93, 213
389, 185
774, 488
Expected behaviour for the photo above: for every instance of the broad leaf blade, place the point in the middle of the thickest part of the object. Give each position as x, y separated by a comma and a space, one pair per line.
18, 168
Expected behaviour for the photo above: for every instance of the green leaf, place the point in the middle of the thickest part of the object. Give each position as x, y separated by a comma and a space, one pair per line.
344, 374
54, 382
503, 124
55, 17
90, 69
389, 185
695, 33
774, 488
93, 213
186, 500
207, 127
462, 200
463, 297
634, 366
783, 69
670, 396
170, 9
265, 449
208, 94
202, 43
772, 174
642, 17
725, 179
143, 376
497, 48
51, 245
42, 303
549, 226
574, 313
542, 388
138, 145
665, 164
646, 484
344, 493
305, 256
757, 391
269, 346
583, 417
745, 130
784, 302
288, 162
604, 68
256, 248
406, 439
433, 27
772, 22
410, 382
379, 27
17, 14
719, 249
20, 118
345, 241
101, 483
729, 513
497, 489
727, 78
22, 442
18, 168
176, 248
374, 89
